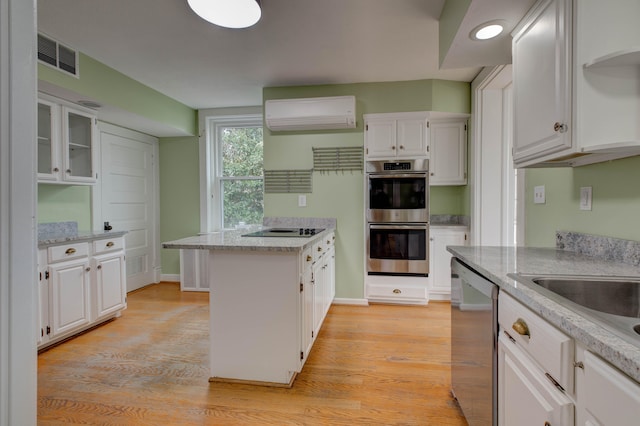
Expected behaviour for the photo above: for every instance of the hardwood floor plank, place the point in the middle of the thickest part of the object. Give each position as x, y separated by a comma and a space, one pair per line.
375, 365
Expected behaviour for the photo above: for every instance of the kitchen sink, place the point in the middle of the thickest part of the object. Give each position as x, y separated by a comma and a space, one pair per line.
617, 297
614, 303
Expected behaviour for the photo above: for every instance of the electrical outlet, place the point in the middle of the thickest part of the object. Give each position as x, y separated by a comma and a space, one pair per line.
538, 195
585, 198
302, 201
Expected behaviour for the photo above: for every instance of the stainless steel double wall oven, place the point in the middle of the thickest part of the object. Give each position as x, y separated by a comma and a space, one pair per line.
397, 212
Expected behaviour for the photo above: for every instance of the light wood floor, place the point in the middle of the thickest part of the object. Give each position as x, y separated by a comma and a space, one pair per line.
376, 365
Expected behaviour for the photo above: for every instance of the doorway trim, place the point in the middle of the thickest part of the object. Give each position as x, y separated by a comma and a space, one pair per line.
492, 120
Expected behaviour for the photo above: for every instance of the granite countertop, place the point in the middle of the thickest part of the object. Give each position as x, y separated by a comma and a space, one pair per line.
448, 221
233, 240
496, 262
53, 239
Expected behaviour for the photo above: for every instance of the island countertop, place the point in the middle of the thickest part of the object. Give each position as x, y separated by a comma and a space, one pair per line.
234, 240
496, 262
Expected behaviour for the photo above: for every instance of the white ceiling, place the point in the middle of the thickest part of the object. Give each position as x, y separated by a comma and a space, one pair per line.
163, 45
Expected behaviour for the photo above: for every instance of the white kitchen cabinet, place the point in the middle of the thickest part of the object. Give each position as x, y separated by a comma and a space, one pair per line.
396, 135
527, 397
81, 284
323, 280
535, 368
69, 303
66, 143
606, 396
307, 305
571, 84
440, 259
109, 279
448, 146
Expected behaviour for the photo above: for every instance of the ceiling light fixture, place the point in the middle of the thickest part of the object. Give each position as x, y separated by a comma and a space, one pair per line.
228, 13
487, 30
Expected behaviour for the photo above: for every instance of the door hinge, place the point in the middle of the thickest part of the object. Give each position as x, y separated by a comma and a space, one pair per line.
312, 334
301, 287
465, 237
427, 148
366, 127
427, 124
41, 332
301, 355
46, 275
40, 279
48, 330
465, 127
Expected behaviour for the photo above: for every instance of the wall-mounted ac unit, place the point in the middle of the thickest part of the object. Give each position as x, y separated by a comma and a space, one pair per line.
336, 112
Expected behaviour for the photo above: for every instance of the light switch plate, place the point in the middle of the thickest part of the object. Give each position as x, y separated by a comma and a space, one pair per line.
538, 195
302, 201
585, 198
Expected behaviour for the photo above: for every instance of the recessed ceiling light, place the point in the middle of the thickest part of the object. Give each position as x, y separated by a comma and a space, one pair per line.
228, 13
487, 30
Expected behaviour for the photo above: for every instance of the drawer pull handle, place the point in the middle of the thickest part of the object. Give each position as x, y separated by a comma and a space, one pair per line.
70, 251
397, 291
309, 258
521, 327
110, 244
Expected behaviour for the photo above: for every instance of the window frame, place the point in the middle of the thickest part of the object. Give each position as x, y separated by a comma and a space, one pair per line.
211, 165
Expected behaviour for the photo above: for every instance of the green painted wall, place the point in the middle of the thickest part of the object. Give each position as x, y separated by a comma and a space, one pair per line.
106, 85
341, 195
615, 207
64, 203
179, 195
110, 87
451, 17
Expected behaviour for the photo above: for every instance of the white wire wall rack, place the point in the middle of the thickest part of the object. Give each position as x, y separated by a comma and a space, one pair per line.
287, 181
338, 158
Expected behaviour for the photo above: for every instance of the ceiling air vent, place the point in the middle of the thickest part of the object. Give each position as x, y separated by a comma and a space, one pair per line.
61, 57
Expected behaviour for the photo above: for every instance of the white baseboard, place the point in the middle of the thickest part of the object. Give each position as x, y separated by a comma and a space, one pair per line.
170, 277
345, 301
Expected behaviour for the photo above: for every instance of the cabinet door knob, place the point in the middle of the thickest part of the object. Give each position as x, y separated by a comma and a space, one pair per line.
393, 147
69, 171
397, 291
99, 266
319, 248
560, 127
401, 146
88, 269
55, 169
521, 327
309, 258
70, 250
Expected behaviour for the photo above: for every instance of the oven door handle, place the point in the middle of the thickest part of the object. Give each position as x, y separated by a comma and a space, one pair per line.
399, 226
398, 176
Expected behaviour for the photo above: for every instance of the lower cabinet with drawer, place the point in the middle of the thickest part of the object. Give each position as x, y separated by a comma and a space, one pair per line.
535, 369
81, 284
401, 290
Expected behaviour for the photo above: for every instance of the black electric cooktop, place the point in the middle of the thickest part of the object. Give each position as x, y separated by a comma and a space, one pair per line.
286, 232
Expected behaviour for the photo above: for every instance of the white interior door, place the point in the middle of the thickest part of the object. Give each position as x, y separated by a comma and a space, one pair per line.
128, 197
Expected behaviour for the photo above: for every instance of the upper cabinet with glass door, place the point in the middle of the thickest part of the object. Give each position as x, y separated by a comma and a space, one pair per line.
66, 148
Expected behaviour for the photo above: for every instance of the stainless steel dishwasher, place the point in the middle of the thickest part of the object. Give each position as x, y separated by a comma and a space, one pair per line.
474, 345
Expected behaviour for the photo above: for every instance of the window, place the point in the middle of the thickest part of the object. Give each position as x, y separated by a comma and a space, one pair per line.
237, 183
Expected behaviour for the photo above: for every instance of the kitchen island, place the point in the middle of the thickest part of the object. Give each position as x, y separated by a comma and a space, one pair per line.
268, 298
